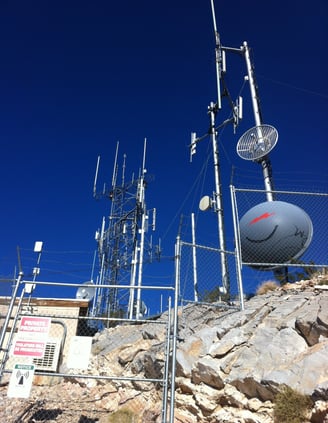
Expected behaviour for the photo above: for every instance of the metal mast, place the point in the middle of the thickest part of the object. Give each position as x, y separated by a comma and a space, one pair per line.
213, 108
213, 134
121, 244
218, 200
265, 161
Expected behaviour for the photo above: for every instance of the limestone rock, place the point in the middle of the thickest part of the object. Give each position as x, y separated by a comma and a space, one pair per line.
230, 364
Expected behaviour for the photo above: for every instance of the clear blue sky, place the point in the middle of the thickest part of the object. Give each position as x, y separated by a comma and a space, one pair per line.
78, 76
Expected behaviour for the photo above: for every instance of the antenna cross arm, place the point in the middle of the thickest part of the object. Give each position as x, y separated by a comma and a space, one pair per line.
224, 123
198, 139
233, 49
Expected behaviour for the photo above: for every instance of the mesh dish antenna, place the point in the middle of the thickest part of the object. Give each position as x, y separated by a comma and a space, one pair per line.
257, 142
86, 292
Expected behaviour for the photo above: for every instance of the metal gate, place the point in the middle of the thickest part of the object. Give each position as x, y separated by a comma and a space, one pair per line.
85, 368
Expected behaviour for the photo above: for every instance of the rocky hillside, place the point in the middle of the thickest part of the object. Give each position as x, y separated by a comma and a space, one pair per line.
230, 364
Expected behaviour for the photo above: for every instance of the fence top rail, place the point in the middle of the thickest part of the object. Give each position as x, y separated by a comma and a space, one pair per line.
154, 318
100, 377
76, 285
205, 247
322, 194
276, 265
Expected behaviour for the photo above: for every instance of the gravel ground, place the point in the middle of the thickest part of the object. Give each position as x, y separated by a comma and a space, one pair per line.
73, 402
57, 407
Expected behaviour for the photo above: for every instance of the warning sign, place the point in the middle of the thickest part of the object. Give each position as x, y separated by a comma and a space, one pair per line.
28, 348
20, 383
32, 336
34, 327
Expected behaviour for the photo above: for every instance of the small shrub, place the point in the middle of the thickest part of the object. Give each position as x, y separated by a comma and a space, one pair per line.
291, 406
266, 287
214, 295
123, 416
322, 281
321, 277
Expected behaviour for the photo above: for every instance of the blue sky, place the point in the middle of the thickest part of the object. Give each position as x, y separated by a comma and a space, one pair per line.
76, 77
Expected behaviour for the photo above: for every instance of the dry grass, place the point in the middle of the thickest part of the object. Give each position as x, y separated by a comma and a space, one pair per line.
291, 406
266, 287
123, 416
321, 276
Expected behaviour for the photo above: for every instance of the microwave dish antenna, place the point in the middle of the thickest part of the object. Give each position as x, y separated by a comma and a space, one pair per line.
86, 292
274, 233
257, 142
205, 203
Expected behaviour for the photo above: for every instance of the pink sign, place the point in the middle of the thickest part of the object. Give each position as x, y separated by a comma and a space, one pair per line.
34, 327
33, 349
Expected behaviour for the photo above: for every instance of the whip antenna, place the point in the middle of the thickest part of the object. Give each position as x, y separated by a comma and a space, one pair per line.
218, 56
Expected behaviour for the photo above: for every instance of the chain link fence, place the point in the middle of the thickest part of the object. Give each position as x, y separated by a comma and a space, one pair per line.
201, 278
60, 364
284, 240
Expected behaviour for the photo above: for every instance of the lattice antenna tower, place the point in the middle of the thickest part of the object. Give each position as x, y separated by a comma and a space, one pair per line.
122, 246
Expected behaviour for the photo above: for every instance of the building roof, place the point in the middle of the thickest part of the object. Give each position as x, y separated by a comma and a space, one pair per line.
51, 302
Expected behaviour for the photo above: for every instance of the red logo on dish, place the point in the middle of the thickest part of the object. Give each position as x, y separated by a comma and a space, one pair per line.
263, 216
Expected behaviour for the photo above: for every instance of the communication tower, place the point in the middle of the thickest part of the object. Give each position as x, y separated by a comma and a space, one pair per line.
122, 244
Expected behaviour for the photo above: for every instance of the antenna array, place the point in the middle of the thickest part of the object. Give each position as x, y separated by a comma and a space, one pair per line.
255, 144
122, 244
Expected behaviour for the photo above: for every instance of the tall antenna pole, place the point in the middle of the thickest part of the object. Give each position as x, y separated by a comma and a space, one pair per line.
141, 199
265, 161
212, 111
96, 177
194, 259
115, 166
218, 56
218, 200
133, 280
213, 135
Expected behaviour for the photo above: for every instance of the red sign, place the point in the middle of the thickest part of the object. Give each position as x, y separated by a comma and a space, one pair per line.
32, 336
33, 349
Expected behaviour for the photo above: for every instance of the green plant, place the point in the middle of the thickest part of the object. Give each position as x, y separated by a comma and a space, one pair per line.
214, 295
266, 287
291, 406
123, 416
